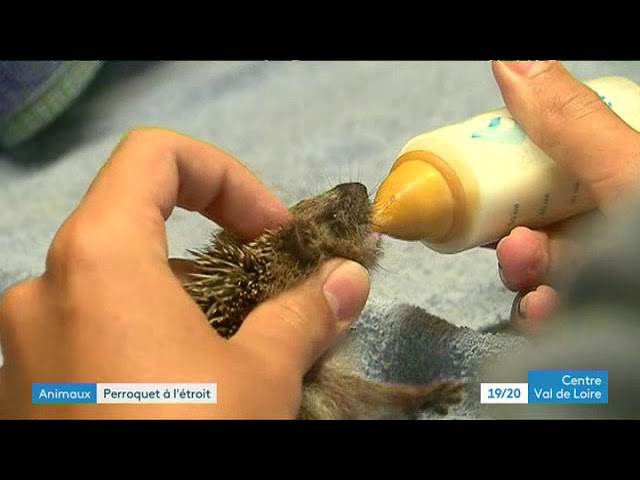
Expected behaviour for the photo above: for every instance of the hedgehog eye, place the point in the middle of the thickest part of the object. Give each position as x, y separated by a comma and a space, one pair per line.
329, 216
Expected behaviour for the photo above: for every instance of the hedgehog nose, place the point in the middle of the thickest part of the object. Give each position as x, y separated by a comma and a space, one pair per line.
355, 188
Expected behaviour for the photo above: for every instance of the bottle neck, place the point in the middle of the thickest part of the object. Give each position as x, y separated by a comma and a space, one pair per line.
456, 204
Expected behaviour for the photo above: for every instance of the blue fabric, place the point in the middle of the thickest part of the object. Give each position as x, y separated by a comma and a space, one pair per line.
34, 94
301, 127
20, 79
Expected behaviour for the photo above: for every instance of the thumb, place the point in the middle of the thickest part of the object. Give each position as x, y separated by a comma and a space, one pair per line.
570, 123
295, 328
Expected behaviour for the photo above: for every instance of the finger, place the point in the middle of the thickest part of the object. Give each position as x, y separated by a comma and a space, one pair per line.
532, 310
18, 303
292, 330
5, 402
528, 258
571, 123
523, 259
153, 170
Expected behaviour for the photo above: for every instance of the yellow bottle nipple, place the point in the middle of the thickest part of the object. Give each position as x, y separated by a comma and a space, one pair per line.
414, 202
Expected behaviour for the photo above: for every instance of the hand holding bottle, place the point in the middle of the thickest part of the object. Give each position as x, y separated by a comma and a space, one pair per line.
572, 125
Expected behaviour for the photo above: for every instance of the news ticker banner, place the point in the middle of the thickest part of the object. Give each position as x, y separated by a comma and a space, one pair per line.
551, 387
543, 387
123, 393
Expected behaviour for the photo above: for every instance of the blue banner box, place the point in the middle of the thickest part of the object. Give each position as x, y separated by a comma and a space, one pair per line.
124, 393
569, 386
63, 393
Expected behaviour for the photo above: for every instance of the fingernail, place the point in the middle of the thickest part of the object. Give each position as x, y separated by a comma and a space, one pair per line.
516, 309
501, 274
528, 68
347, 290
522, 306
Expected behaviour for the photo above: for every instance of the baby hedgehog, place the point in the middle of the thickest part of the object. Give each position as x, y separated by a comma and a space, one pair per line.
231, 278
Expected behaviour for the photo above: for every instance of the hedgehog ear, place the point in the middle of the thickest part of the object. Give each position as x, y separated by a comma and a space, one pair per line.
296, 241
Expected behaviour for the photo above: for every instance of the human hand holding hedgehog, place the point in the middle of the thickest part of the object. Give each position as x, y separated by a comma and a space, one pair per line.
109, 308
